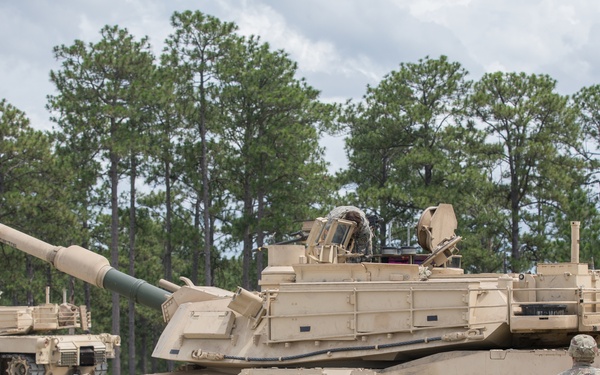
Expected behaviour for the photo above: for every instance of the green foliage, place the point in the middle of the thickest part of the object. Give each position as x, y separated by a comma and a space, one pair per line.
535, 131
587, 102
32, 198
101, 93
400, 140
191, 57
272, 164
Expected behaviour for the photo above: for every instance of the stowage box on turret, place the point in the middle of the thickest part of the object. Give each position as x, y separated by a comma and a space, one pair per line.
322, 309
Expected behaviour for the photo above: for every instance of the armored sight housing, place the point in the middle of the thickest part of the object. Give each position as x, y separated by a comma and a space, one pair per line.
324, 309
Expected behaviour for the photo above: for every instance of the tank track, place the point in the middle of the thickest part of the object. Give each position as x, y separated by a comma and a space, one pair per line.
22, 364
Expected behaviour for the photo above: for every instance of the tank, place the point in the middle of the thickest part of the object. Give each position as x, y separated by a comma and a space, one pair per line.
324, 309
30, 343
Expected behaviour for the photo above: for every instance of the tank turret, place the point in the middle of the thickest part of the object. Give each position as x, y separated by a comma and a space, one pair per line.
22, 320
324, 305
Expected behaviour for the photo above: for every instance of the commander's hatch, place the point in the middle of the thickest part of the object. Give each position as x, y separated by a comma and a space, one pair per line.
330, 241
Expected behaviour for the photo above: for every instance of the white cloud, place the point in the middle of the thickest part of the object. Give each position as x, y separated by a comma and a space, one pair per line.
434, 10
528, 36
89, 31
340, 45
262, 20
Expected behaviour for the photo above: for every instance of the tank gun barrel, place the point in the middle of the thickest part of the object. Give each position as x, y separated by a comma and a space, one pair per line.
86, 265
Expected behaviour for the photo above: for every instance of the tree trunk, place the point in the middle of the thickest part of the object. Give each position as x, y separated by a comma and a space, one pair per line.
29, 272
114, 255
196, 242
247, 238
211, 240
144, 351
168, 203
514, 209
385, 165
168, 245
516, 254
428, 175
260, 237
131, 317
205, 184
87, 291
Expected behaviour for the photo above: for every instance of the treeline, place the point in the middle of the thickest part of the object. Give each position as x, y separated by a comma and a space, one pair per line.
183, 164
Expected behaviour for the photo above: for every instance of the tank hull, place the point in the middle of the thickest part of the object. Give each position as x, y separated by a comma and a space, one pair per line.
56, 354
382, 314
478, 362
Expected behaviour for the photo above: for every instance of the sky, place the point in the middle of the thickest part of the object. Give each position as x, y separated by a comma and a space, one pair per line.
341, 46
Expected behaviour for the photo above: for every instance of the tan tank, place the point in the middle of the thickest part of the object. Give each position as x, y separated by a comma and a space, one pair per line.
29, 346
321, 312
